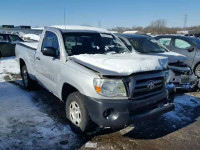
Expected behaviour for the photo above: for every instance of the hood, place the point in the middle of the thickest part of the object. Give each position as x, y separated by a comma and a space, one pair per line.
172, 56
121, 64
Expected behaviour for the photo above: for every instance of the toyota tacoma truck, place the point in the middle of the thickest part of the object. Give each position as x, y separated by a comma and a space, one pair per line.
97, 78
181, 74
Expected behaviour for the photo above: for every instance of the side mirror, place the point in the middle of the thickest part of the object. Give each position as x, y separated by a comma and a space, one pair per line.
49, 51
191, 49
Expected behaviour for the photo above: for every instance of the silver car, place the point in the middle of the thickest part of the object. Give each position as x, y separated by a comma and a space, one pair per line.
188, 46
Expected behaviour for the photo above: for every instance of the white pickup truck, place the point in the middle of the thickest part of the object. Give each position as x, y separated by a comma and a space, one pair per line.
96, 76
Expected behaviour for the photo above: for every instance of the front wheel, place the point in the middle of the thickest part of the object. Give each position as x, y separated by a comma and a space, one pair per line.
197, 71
27, 82
77, 113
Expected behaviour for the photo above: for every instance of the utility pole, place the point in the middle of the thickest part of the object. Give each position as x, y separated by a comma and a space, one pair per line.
185, 21
64, 16
99, 24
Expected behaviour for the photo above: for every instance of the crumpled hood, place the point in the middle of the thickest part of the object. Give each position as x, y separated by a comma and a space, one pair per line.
172, 56
121, 64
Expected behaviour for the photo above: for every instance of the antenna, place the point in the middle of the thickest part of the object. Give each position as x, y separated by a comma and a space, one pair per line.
99, 23
64, 18
185, 21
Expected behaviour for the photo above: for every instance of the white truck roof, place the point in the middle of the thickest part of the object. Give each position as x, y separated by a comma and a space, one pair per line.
80, 28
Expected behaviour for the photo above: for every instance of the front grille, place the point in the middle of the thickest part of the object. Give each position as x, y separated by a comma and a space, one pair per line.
140, 89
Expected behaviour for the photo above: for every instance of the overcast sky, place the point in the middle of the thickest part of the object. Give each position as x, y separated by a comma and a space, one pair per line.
107, 13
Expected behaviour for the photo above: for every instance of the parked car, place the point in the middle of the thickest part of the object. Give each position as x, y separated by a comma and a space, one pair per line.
92, 71
181, 74
7, 44
188, 46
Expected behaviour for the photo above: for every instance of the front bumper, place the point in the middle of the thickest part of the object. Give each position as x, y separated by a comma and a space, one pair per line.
120, 113
183, 80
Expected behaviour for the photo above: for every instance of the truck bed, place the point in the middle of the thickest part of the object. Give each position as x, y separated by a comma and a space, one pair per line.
26, 51
31, 45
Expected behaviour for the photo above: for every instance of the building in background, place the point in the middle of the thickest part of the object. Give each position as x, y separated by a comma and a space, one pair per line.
195, 33
20, 30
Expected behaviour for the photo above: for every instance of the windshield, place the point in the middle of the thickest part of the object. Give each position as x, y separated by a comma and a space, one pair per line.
146, 45
92, 43
15, 38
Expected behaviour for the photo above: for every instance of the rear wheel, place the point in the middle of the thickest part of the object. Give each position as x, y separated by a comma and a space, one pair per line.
27, 82
77, 113
197, 71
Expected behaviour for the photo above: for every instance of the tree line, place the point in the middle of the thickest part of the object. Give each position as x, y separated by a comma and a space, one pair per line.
156, 27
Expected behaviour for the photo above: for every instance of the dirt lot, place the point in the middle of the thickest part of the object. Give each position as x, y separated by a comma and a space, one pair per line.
36, 120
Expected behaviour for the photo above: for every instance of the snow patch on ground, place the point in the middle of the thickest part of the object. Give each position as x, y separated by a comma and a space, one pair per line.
183, 107
22, 122
8, 66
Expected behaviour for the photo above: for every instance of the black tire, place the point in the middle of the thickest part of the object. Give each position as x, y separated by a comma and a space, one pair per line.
171, 97
197, 71
26, 80
85, 123
195, 88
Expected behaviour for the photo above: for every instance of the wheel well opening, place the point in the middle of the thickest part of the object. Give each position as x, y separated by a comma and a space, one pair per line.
66, 90
21, 63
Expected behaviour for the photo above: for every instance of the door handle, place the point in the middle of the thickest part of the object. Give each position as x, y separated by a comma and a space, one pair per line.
38, 58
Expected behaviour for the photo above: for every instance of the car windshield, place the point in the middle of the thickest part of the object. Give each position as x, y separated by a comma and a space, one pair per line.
92, 43
146, 45
15, 38
3, 38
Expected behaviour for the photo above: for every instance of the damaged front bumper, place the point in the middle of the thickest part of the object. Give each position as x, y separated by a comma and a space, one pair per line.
120, 113
182, 77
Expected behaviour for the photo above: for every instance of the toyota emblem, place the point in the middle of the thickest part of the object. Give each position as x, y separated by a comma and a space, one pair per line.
151, 85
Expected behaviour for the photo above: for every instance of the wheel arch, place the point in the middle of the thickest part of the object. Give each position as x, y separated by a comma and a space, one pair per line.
66, 90
21, 62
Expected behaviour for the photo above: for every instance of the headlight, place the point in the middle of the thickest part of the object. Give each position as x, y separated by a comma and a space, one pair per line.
167, 77
163, 63
110, 87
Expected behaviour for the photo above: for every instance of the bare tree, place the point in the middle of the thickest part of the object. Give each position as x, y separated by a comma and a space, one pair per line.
158, 26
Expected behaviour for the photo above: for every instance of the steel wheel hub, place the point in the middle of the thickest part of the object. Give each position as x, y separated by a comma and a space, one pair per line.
75, 113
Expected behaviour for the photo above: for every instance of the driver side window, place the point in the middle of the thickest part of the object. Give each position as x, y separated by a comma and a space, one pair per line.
51, 40
181, 44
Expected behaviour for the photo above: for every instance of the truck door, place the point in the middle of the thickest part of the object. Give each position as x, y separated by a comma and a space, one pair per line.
47, 67
183, 47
